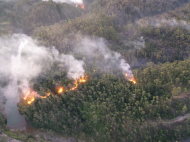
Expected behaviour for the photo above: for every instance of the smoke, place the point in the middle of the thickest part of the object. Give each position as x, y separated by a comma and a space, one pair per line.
67, 1
74, 67
163, 21
138, 43
21, 60
34, 58
95, 52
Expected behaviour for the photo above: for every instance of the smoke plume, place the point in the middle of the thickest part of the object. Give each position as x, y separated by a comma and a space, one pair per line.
22, 59
96, 52
74, 67
35, 59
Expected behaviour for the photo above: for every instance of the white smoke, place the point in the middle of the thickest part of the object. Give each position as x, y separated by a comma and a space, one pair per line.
34, 59
67, 1
139, 43
95, 52
14, 119
74, 67
163, 21
21, 60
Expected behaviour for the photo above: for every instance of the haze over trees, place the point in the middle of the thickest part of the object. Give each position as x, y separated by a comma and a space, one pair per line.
152, 36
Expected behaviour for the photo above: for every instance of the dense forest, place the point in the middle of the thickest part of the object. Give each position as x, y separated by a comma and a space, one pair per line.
152, 36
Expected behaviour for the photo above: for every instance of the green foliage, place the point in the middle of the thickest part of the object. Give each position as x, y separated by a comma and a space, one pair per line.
30, 14
16, 135
181, 13
160, 45
60, 34
125, 11
110, 108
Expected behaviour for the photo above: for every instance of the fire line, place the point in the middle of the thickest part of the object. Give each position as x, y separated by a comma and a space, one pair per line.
30, 96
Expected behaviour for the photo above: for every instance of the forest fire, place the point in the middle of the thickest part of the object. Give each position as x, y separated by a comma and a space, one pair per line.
73, 88
33, 99
27, 95
132, 79
81, 5
30, 95
82, 80
60, 90
43, 97
48, 94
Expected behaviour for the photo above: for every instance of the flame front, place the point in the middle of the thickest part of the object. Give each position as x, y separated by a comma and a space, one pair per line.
82, 81
43, 97
48, 94
32, 100
60, 90
132, 79
30, 95
27, 95
82, 6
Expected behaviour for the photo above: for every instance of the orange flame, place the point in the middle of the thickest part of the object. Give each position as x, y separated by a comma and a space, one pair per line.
76, 85
27, 95
82, 80
32, 100
30, 96
60, 90
73, 88
82, 6
43, 97
48, 94
132, 79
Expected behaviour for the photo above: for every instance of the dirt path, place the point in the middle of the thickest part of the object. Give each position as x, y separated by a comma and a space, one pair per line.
177, 119
182, 95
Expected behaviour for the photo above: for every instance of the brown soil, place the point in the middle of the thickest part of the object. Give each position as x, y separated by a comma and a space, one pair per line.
182, 95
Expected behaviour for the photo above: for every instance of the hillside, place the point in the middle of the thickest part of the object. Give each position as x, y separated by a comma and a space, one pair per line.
131, 59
